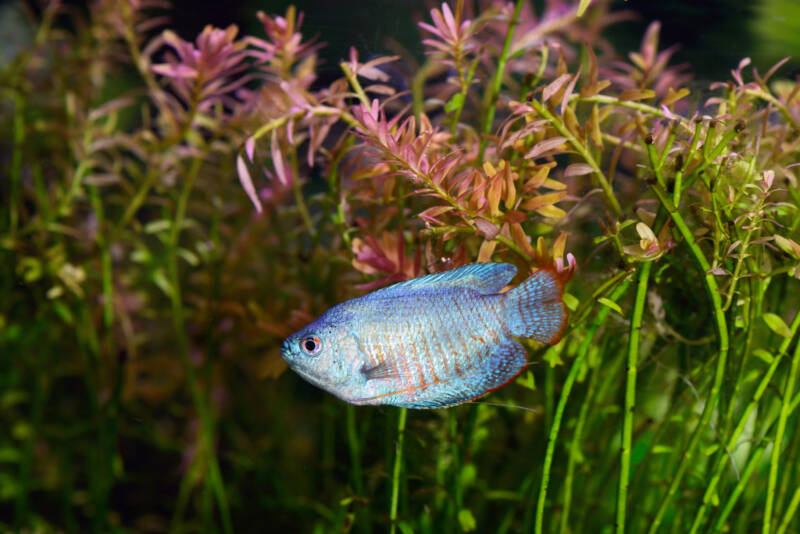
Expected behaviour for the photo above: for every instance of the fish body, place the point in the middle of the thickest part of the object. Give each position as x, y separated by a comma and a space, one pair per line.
434, 341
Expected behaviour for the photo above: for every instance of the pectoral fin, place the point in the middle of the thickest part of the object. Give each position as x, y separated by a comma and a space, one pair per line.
376, 372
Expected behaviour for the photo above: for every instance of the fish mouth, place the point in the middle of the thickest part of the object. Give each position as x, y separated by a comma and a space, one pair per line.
322, 382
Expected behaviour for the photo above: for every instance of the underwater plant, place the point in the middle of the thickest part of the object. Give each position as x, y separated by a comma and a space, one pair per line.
175, 208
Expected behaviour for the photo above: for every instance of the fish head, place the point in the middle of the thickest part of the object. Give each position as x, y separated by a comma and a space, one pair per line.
325, 353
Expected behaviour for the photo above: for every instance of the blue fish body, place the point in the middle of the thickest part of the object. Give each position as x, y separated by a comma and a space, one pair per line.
434, 341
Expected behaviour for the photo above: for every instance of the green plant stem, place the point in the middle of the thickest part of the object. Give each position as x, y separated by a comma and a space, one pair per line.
544, 51
764, 95
638, 106
586, 306
753, 461
351, 77
779, 432
721, 327
139, 197
791, 510
574, 451
200, 404
552, 437
583, 151
316, 111
497, 81
297, 189
15, 172
105, 258
355, 450
630, 392
418, 86
790, 474
465, 85
734, 437
398, 463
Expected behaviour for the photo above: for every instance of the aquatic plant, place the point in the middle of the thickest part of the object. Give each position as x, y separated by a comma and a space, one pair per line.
163, 235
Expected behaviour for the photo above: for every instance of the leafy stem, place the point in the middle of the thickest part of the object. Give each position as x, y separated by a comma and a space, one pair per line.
398, 462
552, 437
200, 403
721, 327
497, 81
583, 151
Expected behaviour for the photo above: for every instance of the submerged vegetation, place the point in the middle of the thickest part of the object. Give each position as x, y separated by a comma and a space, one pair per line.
159, 243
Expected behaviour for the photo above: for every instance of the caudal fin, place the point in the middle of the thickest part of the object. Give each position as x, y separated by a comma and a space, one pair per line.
535, 308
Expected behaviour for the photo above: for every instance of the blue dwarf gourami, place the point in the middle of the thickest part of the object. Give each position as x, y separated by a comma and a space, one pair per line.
430, 342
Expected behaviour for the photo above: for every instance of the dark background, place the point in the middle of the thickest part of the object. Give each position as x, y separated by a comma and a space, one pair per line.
713, 34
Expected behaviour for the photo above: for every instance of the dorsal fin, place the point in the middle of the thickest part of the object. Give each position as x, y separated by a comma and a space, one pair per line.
486, 278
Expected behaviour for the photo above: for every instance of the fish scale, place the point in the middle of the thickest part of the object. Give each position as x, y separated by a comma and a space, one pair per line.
433, 341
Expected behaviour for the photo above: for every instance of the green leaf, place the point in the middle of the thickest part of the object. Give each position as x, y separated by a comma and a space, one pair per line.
159, 277
405, 528
455, 102
9, 455
155, 227
571, 301
553, 357
468, 474
466, 519
761, 354
611, 304
582, 7
190, 257
662, 449
526, 380
776, 324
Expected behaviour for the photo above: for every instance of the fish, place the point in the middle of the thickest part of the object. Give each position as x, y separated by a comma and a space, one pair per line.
430, 342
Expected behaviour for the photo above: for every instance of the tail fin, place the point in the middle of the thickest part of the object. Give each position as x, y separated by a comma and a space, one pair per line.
535, 309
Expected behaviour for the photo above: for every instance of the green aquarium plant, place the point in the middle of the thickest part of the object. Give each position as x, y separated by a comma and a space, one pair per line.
174, 208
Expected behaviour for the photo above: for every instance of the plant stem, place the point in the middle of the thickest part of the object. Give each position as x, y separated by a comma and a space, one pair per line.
790, 511
779, 432
754, 460
721, 327
577, 365
583, 151
200, 404
15, 172
734, 437
355, 453
630, 392
398, 462
298, 194
498, 78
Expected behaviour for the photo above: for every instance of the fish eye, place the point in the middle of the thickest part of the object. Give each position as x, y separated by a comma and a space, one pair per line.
311, 345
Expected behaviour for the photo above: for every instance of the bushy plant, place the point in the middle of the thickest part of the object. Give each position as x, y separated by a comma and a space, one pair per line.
145, 297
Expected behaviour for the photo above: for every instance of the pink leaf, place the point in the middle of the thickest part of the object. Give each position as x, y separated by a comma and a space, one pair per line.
247, 182
175, 70
568, 91
250, 147
545, 146
578, 169
554, 86
488, 229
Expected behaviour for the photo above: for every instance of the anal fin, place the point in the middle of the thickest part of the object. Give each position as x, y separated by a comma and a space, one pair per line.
500, 365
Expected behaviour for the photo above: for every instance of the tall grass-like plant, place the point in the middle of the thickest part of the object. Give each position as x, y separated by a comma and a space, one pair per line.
163, 235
